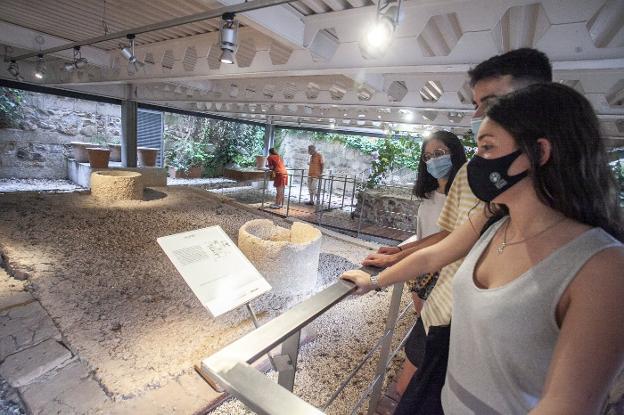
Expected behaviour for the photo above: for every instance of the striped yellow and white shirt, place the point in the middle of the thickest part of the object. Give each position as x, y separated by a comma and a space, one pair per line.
459, 203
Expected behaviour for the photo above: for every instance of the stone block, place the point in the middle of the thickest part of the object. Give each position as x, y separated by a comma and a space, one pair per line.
24, 326
23, 367
71, 390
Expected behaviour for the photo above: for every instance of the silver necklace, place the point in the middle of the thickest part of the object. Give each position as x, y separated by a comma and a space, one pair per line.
505, 244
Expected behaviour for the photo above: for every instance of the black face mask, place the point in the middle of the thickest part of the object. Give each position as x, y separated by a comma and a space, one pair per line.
488, 178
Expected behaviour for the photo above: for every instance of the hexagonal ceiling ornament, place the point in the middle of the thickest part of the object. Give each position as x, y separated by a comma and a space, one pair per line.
431, 91
279, 53
440, 35
396, 91
214, 56
464, 95
520, 27
605, 27
615, 96
245, 53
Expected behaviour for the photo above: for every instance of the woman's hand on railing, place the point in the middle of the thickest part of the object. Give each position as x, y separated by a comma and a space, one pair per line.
360, 278
380, 260
388, 250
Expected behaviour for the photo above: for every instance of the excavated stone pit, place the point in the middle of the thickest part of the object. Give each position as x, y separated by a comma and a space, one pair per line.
117, 185
287, 258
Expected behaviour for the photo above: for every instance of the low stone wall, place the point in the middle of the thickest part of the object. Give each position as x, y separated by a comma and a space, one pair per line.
393, 210
287, 258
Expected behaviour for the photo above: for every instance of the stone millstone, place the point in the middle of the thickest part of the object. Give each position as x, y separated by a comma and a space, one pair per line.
117, 185
287, 258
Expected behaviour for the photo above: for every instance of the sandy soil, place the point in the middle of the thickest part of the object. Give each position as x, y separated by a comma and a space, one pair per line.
123, 308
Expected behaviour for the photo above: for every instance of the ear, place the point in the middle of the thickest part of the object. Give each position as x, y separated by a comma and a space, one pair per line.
545, 150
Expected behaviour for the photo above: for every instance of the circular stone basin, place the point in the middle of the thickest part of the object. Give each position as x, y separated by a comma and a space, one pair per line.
287, 258
117, 185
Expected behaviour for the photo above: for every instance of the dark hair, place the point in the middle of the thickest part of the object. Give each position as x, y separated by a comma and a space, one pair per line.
524, 65
576, 180
426, 183
272, 151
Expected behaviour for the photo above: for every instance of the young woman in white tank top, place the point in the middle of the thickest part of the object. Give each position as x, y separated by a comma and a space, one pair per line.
537, 304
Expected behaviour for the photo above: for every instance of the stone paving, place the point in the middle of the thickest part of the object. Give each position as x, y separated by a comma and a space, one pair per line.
36, 366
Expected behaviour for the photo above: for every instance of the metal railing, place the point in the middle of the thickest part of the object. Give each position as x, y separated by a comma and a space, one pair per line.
231, 366
333, 192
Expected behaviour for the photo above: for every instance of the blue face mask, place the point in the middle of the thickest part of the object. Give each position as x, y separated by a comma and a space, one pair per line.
475, 124
440, 167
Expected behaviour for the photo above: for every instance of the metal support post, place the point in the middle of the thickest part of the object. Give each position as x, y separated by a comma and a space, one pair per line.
359, 228
301, 186
264, 186
288, 200
331, 189
353, 192
290, 352
256, 324
395, 303
129, 133
344, 190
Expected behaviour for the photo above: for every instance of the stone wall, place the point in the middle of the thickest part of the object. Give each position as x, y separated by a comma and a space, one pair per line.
49, 123
393, 210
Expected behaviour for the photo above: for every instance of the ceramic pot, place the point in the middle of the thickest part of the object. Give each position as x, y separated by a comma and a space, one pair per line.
79, 151
115, 154
147, 156
98, 157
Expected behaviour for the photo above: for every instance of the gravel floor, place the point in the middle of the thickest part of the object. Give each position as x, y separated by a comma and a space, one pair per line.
38, 185
97, 269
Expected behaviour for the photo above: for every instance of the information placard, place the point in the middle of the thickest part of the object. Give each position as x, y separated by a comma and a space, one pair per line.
219, 274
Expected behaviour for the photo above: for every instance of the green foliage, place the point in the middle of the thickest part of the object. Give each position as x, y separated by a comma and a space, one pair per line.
233, 142
470, 145
211, 144
10, 101
618, 172
185, 154
394, 152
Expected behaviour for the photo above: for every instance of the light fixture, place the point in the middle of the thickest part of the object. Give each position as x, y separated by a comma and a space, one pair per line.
378, 37
14, 71
407, 114
228, 37
40, 68
128, 52
78, 62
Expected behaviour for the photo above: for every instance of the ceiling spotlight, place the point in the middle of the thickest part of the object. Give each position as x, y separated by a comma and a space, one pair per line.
128, 52
407, 114
78, 63
228, 37
40, 68
14, 71
378, 37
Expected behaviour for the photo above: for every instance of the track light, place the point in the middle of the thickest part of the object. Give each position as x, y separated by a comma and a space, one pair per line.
78, 63
14, 71
128, 52
40, 68
378, 37
228, 37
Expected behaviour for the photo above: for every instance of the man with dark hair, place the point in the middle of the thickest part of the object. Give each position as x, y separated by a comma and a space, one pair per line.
494, 77
525, 66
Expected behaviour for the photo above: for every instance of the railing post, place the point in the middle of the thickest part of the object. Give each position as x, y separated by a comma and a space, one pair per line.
264, 186
359, 228
288, 200
344, 191
331, 189
380, 374
353, 192
301, 186
287, 361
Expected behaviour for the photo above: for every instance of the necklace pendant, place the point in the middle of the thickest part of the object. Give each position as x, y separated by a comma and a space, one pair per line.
501, 248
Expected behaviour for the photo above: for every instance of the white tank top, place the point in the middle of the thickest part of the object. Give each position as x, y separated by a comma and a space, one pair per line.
502, 339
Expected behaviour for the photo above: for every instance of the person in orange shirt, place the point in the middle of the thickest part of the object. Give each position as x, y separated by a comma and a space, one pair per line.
276, 164
315, 171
